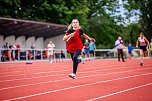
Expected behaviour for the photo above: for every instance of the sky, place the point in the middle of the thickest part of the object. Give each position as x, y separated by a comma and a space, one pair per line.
122, 11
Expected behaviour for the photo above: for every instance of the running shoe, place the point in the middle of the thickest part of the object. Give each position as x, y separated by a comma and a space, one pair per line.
83, 61
72, 75
141, 64
80, 59
51, 61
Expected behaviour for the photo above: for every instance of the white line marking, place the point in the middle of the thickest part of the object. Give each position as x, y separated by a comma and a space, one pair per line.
126, 90
52, 75
68, 79
28, 69
61, 74
57, 75
38, 94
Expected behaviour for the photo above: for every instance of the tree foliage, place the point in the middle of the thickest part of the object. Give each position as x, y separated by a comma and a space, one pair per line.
95, 16
145, 9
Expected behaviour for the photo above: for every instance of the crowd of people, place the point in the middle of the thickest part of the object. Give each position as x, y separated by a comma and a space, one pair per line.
142, 43
88, 49
77, 48
10, 52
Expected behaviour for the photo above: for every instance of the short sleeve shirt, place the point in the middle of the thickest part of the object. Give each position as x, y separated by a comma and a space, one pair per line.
75, 42
91, 45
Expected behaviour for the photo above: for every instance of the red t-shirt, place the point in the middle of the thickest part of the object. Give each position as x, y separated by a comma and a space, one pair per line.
75, 42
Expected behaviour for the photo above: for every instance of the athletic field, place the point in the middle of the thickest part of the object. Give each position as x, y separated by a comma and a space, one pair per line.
98, 80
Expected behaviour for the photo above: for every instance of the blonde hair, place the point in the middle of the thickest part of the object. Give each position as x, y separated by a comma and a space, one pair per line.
78, 21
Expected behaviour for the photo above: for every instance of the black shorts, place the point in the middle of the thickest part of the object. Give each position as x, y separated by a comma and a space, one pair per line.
129, 52
91, 51
143, 48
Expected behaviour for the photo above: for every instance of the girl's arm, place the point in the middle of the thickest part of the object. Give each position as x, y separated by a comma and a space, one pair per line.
67, 36
87, 37
147, 42
137, 42
53, 45
94, 47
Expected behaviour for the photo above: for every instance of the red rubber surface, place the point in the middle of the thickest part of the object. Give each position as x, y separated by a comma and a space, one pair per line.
100, 80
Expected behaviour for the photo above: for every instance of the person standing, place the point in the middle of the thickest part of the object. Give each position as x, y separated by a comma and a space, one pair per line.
130, 48
33, 51
92, 47
74, 43
17, 51
50, 48
143, 45
119, 45
86, 49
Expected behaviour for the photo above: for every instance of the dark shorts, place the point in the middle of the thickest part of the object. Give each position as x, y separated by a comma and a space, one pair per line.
143, 48
91, 51
86, 51
129, 52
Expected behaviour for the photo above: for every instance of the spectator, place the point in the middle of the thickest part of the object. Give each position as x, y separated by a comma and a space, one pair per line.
130, 48
33, 51
62, 55
50, 47
17, 51
119, 45
86, 49
92, 47
3, 52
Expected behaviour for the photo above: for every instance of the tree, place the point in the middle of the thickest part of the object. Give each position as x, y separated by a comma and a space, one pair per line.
145, 9
96, 16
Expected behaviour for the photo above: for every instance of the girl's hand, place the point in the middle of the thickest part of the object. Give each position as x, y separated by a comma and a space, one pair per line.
92, 39
72, 34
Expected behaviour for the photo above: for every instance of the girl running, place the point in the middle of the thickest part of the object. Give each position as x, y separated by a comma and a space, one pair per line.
144, 43
74, 43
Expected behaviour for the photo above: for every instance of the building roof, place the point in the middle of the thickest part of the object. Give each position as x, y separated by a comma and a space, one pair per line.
17, 27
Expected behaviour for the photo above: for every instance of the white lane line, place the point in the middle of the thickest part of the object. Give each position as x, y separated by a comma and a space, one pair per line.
50, 68
83, 85
25, 78
69, 79
29, 68
48, 72
39, 72
37, 69
126, 90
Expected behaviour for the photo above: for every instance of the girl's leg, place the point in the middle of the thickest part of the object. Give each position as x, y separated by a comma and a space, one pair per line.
74, 57
121, 52
141, 57
118, 54
75, 60
51, 58
145, 53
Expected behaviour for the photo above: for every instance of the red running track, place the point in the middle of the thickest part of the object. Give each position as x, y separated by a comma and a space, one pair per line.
98, 80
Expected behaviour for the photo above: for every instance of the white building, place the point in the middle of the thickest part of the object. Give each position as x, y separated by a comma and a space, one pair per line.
25, 32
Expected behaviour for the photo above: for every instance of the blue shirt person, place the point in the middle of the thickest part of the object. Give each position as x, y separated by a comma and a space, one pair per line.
92, 47
130, 48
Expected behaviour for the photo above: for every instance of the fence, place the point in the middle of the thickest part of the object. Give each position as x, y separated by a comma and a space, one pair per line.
60, 54
30, 54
